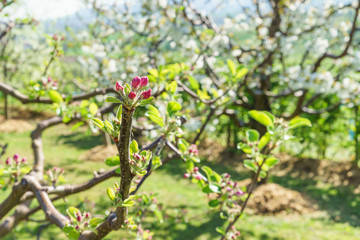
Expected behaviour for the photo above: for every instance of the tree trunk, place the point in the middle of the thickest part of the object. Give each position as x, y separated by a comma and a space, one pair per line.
356, 137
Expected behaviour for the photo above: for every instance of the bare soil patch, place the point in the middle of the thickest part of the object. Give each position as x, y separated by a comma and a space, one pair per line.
273, 199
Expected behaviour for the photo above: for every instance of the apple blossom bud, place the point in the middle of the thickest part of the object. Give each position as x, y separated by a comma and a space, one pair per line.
8, 161
86, 224
77, 227
186, 175
228, 189
49, 79
78, 218
144, 81
135, 83
16, 157
118, 87
196, 169
239, 193
198, 177
87, 215
23, 160
146, 94
55, 37
136, 156
132, 95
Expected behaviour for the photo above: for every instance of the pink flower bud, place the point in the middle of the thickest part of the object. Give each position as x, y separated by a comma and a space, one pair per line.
227, 175
77, 227
136, 156
87, 215
8, 161
23, 160
78, 218
198, 177
239, 193
196, 169
49, 79
132, 95
118, 87
146, 94
186, 175
86, 224
135, 82
55, 37
144, 81
228, 189
16, 157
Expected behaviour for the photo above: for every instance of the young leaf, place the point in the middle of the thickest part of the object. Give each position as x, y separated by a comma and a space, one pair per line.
110, 194
242, 72
252, 135
231, 66
171, 87
211, 188
193, 83
250, 165
261, 117
244, 147
134, 148
119, 112
95, 221
299, 122
146, 101
271, 161
55, 96
93, 108
72, 212
264, 140
214, 203
112, 100
173, 107
98, 123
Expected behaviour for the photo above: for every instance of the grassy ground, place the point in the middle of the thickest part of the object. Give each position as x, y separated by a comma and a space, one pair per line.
63, 147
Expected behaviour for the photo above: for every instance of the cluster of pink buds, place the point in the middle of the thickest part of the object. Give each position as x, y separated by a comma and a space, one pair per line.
56, 37
146, 234
193, 149
233, 233
230, 188
82, 220
49, 83
54, 174
15, 161
136, 92
195, 173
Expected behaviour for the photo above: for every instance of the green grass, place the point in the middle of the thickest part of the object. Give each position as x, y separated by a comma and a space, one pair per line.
63, 148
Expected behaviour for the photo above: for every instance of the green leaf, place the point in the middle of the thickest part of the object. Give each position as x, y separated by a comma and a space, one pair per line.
252, 135
93, 108
156, 119
261, 117
173, 107
72, 212
128, 203
119, 112
250, 165
208, 171
211, 188
264, 140
95, 221
193, 83
231, 66
112, 100
220, 230
134, 147
55, 96
98, 123
271, 161
171, 87
299, 122
146, 101
111, 194
112, 161
109, 125
73, 235
68, 229
154, 72
241, 72
244, 147
214, 203
154, 111
183, 145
